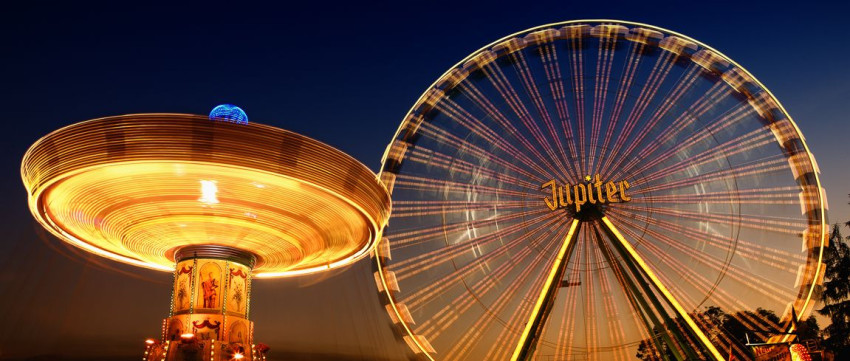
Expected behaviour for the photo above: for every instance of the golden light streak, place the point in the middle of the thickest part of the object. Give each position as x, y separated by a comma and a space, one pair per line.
556, 265
463, 117
137, 188
485, 285
448, 138
556, 87
663, 289
566, 333
514, 286
719, 93
767, 290
435, 288
721, 296
398, 314
416, 236
692, 114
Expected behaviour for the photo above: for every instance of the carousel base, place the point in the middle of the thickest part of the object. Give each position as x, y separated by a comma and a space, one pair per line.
191, 349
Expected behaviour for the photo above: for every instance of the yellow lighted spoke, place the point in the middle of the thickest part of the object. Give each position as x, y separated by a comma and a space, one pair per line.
556, 266
660, 286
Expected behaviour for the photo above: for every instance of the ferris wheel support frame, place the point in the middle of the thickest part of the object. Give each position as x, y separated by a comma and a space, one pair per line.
635, 258
639, 303
544, 302
537, 318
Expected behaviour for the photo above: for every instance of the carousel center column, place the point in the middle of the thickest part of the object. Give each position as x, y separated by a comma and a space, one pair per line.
210, 305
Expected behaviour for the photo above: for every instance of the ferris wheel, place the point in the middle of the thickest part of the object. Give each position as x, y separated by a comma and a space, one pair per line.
594, 190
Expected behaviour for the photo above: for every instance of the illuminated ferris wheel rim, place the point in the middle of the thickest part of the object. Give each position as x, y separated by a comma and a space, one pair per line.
453, 76
248, 155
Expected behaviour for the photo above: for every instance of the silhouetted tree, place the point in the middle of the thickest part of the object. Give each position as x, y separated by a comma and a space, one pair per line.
808, 329
836, 292
648, 351
764, 326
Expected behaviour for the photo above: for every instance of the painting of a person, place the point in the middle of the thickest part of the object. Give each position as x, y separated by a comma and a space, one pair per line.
210, 294
238, 332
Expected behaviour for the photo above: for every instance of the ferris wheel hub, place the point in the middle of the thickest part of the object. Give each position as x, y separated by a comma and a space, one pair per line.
592, 212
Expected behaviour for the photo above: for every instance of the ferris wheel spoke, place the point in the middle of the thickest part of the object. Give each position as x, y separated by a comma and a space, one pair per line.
753, 252
457, 165
514, 287
638, 260
511, 97
726, 122
698, 280
604, 61
416, 265
457, 188
577, 66
443, 136
482, 287
453, 164
522, 68
416, 236
513, 163
625, 85
682, 86
745, 143
685, 83
458, 207
764, 223
464, 118
685, 121
494, 282
659, 71
761, 167
536, 318
774, 196
720, 151
552, 68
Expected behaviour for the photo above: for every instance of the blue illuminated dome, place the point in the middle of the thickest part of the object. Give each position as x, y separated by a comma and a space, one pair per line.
230, 113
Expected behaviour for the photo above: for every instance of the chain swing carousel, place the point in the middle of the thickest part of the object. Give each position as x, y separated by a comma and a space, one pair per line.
216, 200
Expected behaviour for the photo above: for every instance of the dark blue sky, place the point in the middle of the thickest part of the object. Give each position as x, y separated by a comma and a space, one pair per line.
344, 74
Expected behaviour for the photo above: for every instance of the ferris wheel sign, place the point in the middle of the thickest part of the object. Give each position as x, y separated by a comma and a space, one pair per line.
563, 196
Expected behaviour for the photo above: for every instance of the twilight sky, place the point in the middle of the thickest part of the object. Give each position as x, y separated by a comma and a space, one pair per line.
343, 74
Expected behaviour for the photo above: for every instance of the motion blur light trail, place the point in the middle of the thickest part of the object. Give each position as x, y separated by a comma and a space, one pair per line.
723, 206
204, 200
136, 188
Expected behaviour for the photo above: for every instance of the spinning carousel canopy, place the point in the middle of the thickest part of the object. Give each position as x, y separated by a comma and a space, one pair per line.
138, 188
